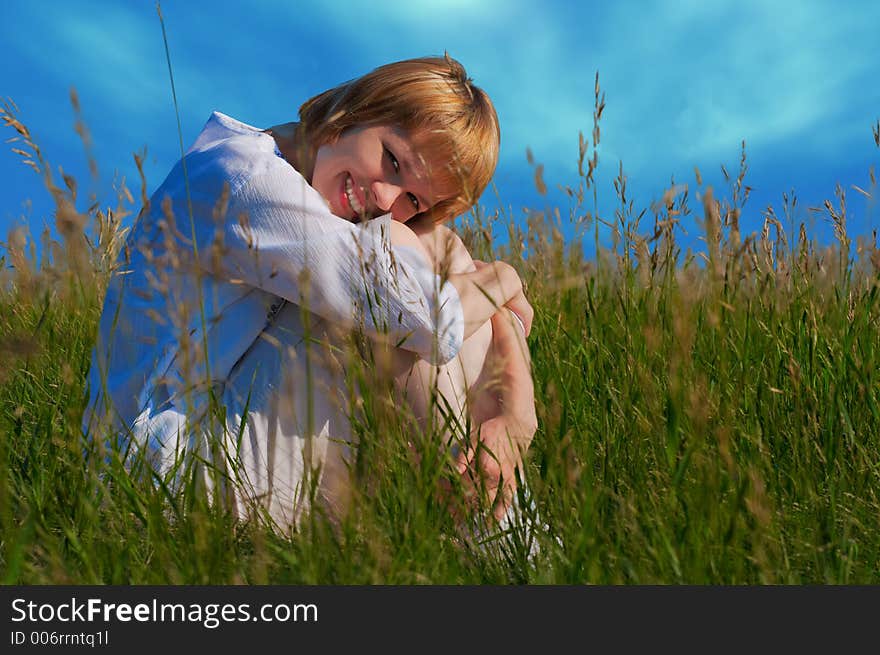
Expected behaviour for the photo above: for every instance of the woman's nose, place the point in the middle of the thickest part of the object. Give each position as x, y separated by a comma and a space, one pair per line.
385, 194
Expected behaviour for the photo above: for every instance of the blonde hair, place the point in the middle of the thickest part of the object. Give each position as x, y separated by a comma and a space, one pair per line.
452, 122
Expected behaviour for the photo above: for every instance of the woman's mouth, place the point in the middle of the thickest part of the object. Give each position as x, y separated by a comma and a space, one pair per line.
351, 198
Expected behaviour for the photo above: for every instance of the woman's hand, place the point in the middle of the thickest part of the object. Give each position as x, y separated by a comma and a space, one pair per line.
518, 304
490, 469
485, 291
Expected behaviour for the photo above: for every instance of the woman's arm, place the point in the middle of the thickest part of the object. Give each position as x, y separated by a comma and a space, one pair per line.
488, 289
483, 288
507, 420
280, 237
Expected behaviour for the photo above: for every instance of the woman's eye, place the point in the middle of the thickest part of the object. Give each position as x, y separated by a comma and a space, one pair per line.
394, 161
414, 200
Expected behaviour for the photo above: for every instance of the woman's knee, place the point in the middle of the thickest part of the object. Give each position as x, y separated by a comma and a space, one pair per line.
446, 249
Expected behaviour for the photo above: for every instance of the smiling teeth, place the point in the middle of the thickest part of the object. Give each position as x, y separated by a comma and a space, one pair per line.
352, 198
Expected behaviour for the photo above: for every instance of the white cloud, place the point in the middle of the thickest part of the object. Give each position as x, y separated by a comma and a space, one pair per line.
713, 74
378, 20
685, 81
107, 53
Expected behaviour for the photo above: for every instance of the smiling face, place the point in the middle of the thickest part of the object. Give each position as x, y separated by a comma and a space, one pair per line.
371, 171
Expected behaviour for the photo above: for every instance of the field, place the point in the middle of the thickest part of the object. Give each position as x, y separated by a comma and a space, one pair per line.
707, 418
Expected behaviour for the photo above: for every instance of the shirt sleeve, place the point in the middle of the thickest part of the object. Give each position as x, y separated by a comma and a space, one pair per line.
281, 237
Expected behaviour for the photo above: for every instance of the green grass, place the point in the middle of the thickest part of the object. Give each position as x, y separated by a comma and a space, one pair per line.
701, 420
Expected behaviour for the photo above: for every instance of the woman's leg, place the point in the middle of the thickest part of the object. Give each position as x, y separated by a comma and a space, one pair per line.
287, 424
463, 385
469, 384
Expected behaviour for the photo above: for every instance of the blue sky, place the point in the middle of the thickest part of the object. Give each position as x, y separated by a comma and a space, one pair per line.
685, 83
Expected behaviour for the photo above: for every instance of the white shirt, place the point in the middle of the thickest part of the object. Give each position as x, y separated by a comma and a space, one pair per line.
259, 230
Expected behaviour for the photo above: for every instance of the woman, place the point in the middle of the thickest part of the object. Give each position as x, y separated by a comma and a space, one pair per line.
261, 243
